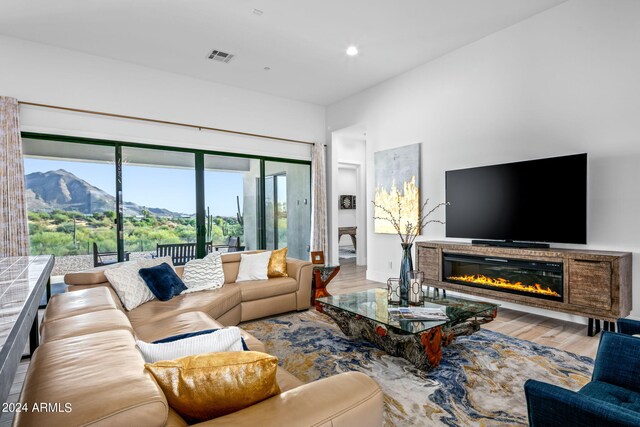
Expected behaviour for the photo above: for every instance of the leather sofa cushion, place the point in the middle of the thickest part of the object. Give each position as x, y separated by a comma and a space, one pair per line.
101, 375
344, 400
73, 303
287, 381
260, 289
183, 323
214, 303
86, 323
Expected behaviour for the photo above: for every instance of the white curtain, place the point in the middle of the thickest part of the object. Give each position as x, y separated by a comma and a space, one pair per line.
318, 199
14, 231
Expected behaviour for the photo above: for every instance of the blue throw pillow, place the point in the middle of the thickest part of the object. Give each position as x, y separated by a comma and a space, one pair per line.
163, 281
195, 334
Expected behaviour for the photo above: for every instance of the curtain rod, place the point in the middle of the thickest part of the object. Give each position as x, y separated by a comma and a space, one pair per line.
164, 122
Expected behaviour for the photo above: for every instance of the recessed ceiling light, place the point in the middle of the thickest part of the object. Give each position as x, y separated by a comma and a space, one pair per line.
352, 51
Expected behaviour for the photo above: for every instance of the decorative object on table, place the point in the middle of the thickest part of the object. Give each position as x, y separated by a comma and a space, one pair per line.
416, 277
347, 202
408, 233
418, 313
397, 203
322, 276
317, 257
393, 290
470, 387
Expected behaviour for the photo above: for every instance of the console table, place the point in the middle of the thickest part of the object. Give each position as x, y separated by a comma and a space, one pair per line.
22, 283
595, 284
351, 231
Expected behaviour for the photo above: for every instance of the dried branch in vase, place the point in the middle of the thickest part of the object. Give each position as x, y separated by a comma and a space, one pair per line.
411, 229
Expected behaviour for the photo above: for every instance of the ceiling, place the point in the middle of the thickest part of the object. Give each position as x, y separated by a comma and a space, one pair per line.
303, 42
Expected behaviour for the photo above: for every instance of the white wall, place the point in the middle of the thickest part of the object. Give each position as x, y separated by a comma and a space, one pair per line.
564, 81
49, 75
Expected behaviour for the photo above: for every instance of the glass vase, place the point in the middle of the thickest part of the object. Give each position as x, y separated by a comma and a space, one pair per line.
406, 265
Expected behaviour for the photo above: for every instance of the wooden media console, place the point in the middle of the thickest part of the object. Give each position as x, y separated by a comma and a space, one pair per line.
589, 283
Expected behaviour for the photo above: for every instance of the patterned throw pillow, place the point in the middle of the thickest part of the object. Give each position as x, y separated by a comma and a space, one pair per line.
203, 274
128, 284
227, 339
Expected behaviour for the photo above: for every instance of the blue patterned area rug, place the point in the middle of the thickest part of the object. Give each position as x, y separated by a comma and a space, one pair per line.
478, 383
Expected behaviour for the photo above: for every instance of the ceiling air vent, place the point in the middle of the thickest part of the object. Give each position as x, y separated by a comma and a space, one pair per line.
218, 55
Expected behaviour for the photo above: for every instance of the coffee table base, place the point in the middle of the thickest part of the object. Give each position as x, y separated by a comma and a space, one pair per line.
424, 350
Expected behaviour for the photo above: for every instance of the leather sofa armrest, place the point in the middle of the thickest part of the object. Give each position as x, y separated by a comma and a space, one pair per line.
301, 271
351, 399
93, 276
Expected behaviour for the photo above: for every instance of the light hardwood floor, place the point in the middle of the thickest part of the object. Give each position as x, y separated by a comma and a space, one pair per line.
560, 334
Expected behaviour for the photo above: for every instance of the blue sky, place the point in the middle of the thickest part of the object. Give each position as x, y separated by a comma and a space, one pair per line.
172, 189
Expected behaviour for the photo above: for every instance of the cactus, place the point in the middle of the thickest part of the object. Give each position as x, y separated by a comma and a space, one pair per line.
239, 215
209, 231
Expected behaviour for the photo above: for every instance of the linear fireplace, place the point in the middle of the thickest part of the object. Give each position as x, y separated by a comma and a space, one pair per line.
531, 278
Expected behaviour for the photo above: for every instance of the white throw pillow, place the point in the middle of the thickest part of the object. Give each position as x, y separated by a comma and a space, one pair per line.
128, 284
227, 339
203, 274
253, 266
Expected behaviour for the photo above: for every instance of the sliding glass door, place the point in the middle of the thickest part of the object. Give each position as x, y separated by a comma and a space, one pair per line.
231, 192
287, 207
71, 203
159, 199
100, 201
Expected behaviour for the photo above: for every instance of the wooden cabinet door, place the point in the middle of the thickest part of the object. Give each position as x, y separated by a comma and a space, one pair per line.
590, 283
429, 263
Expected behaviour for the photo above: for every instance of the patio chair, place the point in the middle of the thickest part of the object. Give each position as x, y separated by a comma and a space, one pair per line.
233, 245
99, 257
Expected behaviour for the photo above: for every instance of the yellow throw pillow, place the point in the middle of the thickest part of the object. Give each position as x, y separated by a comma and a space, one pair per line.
278, 263
210, 385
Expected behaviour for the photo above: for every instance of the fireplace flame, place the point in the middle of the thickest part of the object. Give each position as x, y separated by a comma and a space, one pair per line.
481, 279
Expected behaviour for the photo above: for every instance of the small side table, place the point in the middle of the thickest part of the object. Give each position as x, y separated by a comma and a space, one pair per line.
322, 275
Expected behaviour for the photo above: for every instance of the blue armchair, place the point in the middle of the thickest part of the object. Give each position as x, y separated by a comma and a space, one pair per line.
628, 326
611, 399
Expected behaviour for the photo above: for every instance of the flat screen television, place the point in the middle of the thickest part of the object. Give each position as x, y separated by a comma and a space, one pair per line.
542, 200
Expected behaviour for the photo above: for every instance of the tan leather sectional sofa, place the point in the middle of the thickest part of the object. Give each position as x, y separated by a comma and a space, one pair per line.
88, 371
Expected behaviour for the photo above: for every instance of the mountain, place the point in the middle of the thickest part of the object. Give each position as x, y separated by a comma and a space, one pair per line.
63, 190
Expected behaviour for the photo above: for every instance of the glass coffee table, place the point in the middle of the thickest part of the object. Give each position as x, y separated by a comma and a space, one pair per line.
370, 316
